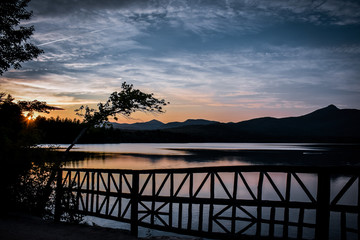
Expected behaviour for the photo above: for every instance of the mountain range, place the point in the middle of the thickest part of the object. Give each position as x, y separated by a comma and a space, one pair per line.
329, 124
157, 125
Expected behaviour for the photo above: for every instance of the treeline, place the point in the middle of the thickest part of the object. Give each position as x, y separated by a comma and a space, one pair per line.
57, 130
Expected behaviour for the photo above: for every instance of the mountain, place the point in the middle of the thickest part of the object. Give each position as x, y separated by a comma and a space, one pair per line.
157, 125
151, 125
327, 124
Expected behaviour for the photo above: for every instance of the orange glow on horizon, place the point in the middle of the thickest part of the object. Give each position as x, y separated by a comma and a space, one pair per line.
181, 113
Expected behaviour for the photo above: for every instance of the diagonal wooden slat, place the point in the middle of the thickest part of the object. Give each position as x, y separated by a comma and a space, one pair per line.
103, 182
67, 175
162, 184
181, 184
202, 184
343, 190
274, 186
223, 185
114, 206
126, 209
247, 186
114, 182
246, 212
84, 179
76, 177
143, 217
244, 229
161, 206
127, 182
81, 201
146, 207
221, 226
304, 187
222, 211
145, 184
103, 203
161, 220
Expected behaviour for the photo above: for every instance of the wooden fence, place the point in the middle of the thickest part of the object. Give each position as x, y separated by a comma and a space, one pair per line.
265, 202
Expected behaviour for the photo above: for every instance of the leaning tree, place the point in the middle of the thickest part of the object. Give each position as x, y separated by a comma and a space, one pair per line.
125, 102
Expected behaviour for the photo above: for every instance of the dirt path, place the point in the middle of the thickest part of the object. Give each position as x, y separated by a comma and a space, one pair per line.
25, 227
20, 227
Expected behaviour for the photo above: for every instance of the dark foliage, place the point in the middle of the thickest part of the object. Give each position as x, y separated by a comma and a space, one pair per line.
18, 136
57, 130
16, 131
14, 45
125, 102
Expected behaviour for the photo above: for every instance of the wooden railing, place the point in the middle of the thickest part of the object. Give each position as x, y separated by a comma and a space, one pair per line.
270, 202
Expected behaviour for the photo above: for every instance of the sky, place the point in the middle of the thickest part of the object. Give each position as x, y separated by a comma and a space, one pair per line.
223, 60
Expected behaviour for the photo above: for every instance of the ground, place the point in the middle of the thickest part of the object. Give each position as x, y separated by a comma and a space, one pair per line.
24, 227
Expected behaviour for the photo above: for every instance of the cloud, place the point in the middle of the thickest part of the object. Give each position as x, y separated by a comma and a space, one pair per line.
211, 77
196, 15
214, 54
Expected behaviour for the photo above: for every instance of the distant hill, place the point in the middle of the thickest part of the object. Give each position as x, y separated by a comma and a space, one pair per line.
151, 125
157, 125
326, 124
329, 124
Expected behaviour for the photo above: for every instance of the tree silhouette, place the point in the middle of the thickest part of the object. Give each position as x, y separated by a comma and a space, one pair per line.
12, 121
125, 102
14, 45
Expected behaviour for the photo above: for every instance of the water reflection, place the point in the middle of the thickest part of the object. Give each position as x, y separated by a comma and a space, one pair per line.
153, 156
126, 161
173, 148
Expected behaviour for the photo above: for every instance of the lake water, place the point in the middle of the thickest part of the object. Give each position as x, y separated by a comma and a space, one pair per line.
184, 155
170, 155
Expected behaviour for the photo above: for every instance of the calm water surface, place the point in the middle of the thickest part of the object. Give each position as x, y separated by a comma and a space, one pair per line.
181, 155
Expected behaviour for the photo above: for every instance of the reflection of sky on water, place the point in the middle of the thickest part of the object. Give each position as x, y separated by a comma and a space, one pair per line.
118, 161
182, 155
167, 148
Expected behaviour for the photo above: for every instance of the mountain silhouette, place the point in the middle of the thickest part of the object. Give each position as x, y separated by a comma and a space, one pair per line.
326, 124
329, 124
157, 125
151, 125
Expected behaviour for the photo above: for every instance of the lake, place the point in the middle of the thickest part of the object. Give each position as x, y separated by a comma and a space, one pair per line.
185, 155
170, 155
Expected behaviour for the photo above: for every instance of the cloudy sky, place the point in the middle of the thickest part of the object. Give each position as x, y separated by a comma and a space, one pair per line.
224, 60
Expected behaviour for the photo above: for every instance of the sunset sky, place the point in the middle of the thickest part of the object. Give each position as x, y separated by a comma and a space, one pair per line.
214, 59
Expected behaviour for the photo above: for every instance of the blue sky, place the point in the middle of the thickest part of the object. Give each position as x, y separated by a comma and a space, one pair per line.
219, 60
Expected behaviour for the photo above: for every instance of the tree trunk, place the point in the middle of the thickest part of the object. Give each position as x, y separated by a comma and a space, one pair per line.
66, 153
58, 164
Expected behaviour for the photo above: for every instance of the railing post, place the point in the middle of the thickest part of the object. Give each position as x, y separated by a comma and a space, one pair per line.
58, 195
134, 204
323, 201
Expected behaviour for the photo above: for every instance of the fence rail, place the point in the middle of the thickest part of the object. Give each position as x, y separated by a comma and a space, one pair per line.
220, 202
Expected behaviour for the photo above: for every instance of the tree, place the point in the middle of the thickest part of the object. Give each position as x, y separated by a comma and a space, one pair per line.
14, 45
125, 102
17, 134
13, 127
